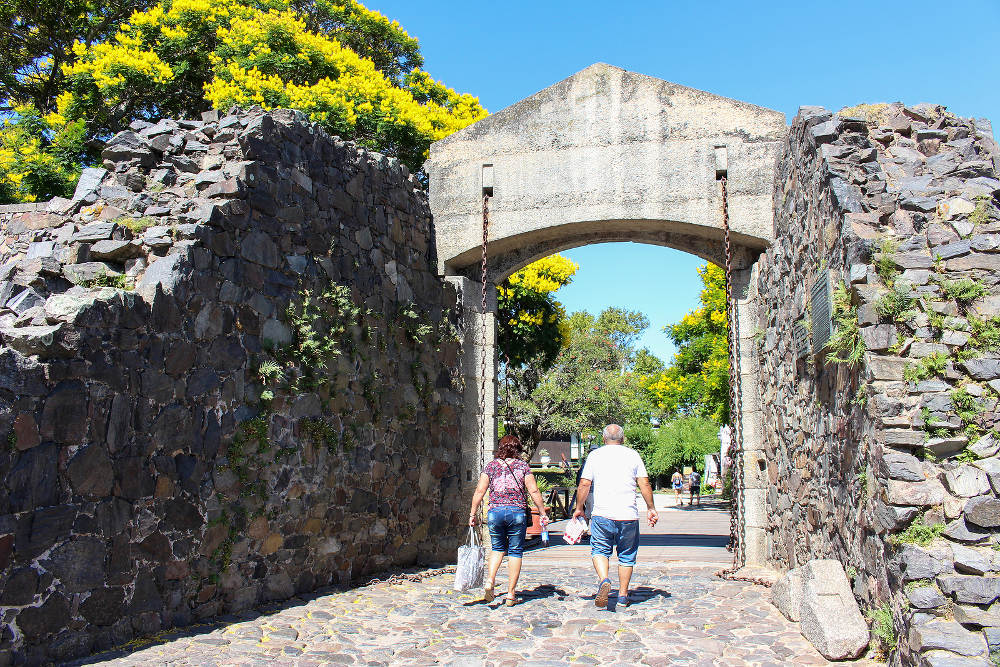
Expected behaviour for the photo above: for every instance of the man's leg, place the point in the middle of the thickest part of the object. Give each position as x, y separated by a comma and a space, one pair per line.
628, 549
624, 577
602, 540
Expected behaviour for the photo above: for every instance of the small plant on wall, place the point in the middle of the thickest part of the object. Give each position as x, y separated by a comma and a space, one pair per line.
845, 345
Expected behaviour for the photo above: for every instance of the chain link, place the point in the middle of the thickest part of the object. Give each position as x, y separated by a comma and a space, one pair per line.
482, 338
737, 521
404, 577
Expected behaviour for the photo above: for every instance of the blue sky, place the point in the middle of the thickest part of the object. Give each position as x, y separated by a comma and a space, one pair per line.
775, 54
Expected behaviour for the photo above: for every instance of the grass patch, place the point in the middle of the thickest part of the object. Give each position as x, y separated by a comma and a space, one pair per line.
874, 114
117, 281
137, 225
981, 214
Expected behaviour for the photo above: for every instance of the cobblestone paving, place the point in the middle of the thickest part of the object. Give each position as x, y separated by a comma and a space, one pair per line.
682, 615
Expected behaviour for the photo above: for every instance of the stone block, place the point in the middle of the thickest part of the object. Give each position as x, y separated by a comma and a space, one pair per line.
969, 560
830, 617
983, 511
928, 492
970, 589
786, 594
947, 636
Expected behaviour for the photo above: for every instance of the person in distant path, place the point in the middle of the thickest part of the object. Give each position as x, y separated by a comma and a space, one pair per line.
510, 483
677, 481
614, 471
695, 480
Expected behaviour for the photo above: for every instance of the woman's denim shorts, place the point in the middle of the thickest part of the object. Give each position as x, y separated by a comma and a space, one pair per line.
507, 526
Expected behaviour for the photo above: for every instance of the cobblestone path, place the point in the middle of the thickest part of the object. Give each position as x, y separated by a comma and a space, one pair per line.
683, 615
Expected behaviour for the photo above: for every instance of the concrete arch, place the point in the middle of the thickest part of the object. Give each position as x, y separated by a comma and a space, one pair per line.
605, 155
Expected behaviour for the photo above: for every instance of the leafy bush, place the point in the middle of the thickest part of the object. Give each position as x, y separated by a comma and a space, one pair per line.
885, 261
681, 442
895, 305
883, 628
917, 533
930, 366
964, 291
845, 345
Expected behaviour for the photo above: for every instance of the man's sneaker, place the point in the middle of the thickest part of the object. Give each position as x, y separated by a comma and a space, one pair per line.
624, 601
602, 593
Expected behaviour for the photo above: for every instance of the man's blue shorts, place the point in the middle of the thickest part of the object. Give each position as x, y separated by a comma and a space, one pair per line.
623, 536
507, 527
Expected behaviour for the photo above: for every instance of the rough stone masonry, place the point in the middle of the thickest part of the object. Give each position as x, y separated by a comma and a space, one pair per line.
226, 376
229, 372
889, 464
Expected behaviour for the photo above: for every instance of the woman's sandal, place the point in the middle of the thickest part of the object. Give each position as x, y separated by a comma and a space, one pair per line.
488, 594
510, 602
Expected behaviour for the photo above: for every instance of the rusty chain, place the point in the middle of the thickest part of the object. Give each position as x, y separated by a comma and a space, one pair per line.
482, 338
403, 577
736, 511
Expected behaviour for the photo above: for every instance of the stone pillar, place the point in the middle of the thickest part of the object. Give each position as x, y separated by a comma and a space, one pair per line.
754, 463
473, 318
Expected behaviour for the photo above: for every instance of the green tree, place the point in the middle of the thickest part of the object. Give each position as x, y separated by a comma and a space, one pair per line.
697, 380
679, 443
587, 386
36, 40
88, 69
531, 323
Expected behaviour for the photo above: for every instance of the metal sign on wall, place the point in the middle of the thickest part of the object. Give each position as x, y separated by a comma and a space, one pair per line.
821, 311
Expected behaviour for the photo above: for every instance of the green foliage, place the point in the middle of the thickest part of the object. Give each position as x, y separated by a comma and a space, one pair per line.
966, 405
413, 323
883, 628
917, 583
587, 387
105, 279
964, 291
895, 305
531, 324
885, 260
681, 442
36, 40
966, 456
321, 432
137, 225
40, 155
319, 324
697, 380
981, 214
917, 533
845, 345
927, 367
985, 334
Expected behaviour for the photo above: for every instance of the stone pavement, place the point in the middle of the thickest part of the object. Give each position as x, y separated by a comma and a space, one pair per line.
682, 615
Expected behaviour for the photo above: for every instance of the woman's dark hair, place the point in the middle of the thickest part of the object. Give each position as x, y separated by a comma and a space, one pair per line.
509, 447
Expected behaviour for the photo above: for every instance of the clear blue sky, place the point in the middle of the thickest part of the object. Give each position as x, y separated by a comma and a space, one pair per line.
775, 54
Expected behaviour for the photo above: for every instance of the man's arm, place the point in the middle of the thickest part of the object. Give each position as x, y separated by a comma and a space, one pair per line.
582, 492
647, 494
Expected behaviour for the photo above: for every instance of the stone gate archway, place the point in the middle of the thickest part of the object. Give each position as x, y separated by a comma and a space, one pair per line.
606, 155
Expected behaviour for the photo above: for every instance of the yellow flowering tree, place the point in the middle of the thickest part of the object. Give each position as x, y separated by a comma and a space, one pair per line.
182, 57
40, 156
697, 381
531, 323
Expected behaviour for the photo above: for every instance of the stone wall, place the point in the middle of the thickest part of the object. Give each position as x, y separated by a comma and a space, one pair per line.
889, 464
227, 375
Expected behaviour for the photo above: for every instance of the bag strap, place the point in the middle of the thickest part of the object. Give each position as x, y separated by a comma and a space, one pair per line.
474, 540
524, 487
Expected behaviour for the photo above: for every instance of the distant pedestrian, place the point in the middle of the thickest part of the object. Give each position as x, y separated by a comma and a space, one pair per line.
510, 483
695, 480
614, 471
677, 481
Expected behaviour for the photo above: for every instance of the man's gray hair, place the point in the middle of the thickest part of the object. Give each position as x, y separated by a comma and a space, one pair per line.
613, 433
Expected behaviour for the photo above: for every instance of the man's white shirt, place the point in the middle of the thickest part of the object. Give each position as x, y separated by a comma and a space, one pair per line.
613, 470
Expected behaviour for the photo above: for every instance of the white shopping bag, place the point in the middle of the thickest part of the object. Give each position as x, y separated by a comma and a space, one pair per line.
471, 564
574, 530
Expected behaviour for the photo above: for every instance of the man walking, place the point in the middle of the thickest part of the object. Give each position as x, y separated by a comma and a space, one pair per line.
614, 471
695, 480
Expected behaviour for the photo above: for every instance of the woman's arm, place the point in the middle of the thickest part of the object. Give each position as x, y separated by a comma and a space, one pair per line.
477, 497
536, 495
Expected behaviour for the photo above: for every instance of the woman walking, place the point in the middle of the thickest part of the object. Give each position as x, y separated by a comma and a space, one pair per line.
510, 483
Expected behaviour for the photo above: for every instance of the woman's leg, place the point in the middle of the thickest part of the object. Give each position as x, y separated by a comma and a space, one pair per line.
513, 572
496, 557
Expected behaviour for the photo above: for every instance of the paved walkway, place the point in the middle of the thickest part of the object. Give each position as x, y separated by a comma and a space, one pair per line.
683, 615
